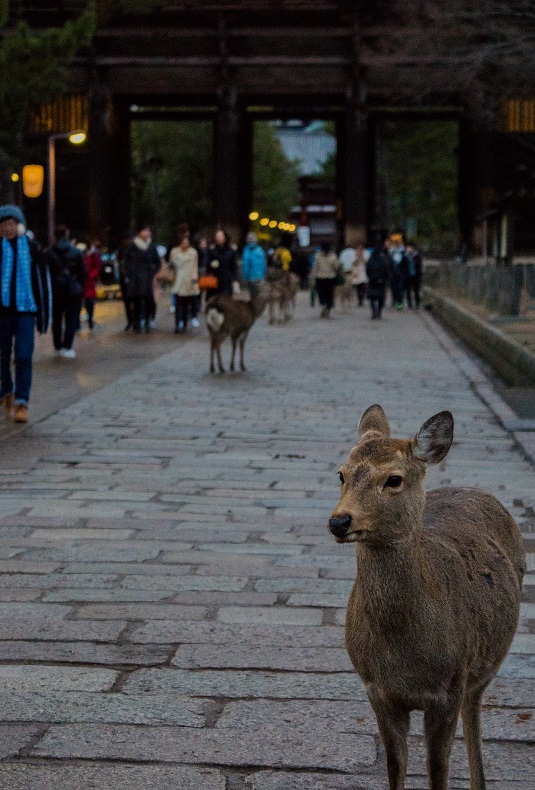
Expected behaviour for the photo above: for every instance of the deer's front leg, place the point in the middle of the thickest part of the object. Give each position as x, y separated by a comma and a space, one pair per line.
234, 343
440, 723
393, 726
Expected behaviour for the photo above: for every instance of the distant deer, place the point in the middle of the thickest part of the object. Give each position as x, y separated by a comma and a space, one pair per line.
228, 317
282, 291
436, 601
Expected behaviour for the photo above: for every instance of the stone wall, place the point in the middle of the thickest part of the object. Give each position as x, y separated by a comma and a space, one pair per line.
497, 288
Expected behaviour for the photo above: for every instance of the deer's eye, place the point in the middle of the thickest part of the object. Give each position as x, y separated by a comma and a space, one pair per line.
394, 481
342, 478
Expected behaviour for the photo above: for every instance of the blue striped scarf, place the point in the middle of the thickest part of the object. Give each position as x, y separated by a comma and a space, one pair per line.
25, 298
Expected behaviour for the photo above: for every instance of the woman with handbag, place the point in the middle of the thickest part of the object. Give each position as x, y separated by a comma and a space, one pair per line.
67, 273
222, 264
185, 262
325, 275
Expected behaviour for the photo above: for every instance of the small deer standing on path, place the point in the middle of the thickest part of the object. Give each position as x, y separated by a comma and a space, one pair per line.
436, 602
228, 317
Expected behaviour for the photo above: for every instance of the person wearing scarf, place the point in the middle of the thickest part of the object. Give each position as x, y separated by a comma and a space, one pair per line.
25, 299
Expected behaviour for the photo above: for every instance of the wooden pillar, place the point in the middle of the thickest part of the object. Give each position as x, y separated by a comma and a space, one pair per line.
355, 143
229, 204
477, 177
108, 142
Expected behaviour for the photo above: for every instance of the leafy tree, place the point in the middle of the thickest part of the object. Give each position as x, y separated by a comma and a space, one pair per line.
32, 64
275, 177
418, 173
172, 175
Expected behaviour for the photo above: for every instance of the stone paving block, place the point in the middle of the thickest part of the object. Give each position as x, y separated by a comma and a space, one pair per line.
51, 580
33, 611
90, 553
280, 780
319, 599
110, 708
220, 747
151, 568
246, 636
40, 678
226, 598
83, 653
292, 659
105, 595
145, 611
243, 684
14, 737
185, 583
277, 615
48, 535
317, 586
63, 630
83, 776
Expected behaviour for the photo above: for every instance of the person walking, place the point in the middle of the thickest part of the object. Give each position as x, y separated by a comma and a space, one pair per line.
253, 263
93, 265
222, 264
413, 281
185, 261
359, 278
67, 272
324, 272
139, 265
378, 273
26, 300
399, 270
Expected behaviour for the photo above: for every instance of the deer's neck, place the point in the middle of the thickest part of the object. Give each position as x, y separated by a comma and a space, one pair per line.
391, 581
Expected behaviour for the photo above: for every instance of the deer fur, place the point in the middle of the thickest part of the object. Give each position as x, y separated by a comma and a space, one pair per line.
436, 602
229, 317
282, 291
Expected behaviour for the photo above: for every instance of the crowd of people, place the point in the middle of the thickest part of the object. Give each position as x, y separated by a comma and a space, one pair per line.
51, 286
388, 264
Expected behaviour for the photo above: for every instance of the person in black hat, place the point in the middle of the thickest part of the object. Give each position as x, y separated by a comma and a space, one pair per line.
25, 299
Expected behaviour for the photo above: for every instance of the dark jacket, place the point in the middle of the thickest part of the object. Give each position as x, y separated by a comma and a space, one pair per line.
41, 288
226, 271
378, 270
67, 270
414, 267
138, 268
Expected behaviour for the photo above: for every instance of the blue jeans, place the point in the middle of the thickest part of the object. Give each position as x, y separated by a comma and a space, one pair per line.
20, 330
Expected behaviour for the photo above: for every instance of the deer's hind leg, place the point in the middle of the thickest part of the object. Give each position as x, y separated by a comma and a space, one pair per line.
471, 714
217, 347
234, 344
393, 726
243, 338
440, 723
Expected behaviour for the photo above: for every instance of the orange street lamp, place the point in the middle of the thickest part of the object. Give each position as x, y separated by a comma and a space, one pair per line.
264, 221
253, 215
33, 177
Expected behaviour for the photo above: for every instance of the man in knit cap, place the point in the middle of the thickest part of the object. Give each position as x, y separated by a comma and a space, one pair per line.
25, 299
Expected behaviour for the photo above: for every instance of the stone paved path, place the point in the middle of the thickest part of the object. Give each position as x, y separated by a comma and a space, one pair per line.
171, 605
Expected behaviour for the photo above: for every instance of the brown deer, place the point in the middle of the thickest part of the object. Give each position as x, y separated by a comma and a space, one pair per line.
229, 317
282, 292
436, 602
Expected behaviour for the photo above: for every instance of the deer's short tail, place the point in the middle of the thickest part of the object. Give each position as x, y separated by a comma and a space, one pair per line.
214, 319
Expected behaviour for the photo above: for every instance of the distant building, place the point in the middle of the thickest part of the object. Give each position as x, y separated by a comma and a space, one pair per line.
311, 146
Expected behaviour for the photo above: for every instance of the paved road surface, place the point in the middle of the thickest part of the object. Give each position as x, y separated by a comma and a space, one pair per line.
171, 605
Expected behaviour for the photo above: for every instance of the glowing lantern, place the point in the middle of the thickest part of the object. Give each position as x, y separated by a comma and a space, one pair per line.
32, 180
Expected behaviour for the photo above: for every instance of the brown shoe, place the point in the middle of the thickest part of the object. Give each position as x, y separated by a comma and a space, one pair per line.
8, 403
21, 413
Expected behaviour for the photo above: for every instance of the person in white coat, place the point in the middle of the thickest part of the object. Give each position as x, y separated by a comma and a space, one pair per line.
185, 262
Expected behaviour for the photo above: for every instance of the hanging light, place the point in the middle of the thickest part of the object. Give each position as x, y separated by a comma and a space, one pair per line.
253, 215
77, 138
32, 180
264, 221
273, 223
14, 177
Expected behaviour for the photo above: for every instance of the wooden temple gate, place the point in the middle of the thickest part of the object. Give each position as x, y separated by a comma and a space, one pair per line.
229, 59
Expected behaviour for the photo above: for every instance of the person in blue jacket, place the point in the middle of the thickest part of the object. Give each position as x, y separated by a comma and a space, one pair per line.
254, 264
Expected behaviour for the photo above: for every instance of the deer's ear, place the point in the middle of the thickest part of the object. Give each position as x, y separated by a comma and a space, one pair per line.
374, 421
433, 440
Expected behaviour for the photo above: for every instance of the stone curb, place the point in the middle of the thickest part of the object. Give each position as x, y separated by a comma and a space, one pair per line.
480, 383
515, 363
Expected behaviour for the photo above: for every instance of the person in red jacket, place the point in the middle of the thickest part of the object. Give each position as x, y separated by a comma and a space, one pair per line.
93, 263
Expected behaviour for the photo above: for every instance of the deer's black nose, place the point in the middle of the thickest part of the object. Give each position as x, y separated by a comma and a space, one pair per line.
339, 526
